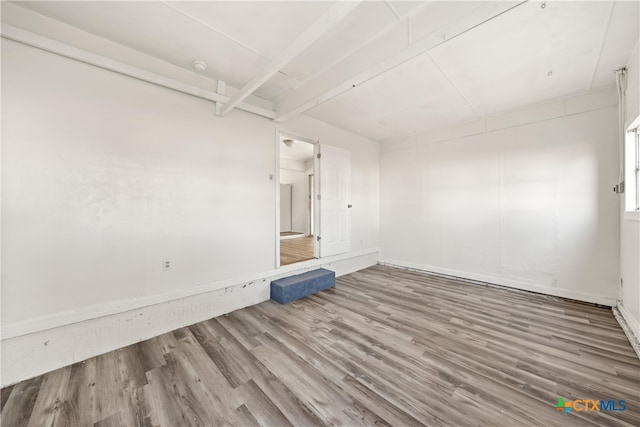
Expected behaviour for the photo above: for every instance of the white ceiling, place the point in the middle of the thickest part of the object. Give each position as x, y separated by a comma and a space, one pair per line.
496, 66
513, 54
299, 150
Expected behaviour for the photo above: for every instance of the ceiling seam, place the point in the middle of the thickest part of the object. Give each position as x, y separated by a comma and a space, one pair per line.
323, 25
418, 134
446, 76
350, 53
499, 113
222, 33
328, 95
604, 38
393, 9
632, 52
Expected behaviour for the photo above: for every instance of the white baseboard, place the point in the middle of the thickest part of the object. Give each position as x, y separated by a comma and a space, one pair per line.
629, 325
91, 312
510, 283
69, 339
294, 236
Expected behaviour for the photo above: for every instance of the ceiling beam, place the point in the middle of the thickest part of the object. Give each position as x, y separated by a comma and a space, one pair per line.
320, 27
221, 90
332, 83
34, 40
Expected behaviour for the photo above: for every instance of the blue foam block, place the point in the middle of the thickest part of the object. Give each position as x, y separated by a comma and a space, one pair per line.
299, 286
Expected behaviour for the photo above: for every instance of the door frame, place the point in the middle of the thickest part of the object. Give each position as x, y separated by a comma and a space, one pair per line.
316, 214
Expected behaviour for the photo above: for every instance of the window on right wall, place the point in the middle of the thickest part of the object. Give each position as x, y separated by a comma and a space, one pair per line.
632, 171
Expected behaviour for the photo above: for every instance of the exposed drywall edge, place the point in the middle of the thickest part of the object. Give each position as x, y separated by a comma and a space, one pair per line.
30, 355
629, 326
499, 281
115, 307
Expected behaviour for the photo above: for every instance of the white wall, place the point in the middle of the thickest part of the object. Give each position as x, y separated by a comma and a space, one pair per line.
294, 165
293, 172
523, 199
99, 188
307, 174
285, 207
630, 228
103, 178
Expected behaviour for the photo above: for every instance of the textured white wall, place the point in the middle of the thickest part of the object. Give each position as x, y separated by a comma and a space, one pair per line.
293, 172
299, 211
630, 229
103, 178
528, 205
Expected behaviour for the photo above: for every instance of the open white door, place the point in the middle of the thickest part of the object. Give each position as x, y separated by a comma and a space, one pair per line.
334, 199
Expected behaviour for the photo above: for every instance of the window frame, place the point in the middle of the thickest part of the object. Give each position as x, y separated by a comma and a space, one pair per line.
632, 171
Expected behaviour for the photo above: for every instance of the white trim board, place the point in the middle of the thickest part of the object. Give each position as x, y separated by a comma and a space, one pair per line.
294, 236
19, 35
499, 281
29, 355
629, 326
116, 307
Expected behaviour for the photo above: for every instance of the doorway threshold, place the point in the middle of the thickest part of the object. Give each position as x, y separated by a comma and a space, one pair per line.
291, 235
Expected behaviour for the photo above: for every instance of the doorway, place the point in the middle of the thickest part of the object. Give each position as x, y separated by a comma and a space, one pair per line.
297, 207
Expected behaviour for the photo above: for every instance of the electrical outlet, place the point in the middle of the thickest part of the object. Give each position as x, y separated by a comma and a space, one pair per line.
166, 264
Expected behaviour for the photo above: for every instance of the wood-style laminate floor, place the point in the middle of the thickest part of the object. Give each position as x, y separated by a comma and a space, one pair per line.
385, 347
296, 250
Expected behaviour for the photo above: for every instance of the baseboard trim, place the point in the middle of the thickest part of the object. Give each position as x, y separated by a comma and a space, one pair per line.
499, 281
294, 236
37, 352
96, 311
629, 326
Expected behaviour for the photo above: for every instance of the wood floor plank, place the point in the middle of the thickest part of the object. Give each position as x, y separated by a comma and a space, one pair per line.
5, 395
167, 402
386, 346
51, 398
19, 407
246, 417
150, 353
205, 372
315, 390
385, 409
243, 333
296, 250
137, 412
81, 395
109, 386
229, 366
261, 406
